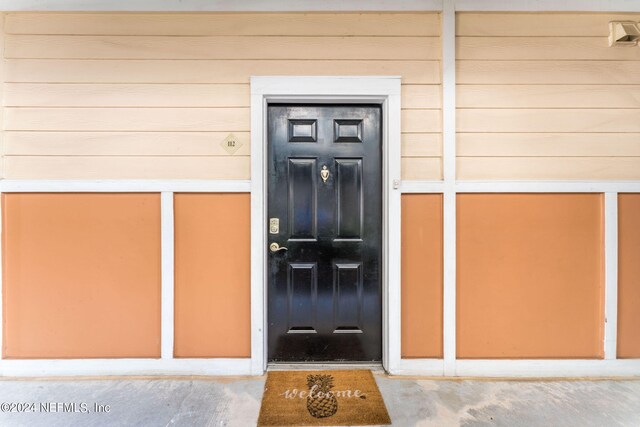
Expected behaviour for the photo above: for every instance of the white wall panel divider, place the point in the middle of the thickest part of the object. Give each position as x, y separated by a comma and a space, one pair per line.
449, 173
124, 185
235, 186
548, 187
409, 187
611, 275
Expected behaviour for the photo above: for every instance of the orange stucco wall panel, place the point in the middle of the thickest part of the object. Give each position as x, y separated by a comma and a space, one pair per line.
530, 276
212, 275
81, 275
629, 276
421, 275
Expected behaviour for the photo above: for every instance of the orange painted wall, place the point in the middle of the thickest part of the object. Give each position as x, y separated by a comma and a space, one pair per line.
421, 275
212, 275
81, 275
629, 276
530, 276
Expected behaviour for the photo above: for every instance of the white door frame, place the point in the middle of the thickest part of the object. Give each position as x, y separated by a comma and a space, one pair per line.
378, 90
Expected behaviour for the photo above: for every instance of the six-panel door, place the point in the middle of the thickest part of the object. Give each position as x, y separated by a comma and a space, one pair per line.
324, 292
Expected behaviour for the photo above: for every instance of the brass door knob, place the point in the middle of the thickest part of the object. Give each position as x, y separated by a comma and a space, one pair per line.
274, 247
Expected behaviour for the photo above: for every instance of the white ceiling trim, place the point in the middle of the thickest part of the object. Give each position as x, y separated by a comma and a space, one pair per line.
316, 5
218, 5
547, 5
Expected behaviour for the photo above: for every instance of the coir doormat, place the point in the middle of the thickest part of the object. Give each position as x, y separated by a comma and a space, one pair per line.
322, 398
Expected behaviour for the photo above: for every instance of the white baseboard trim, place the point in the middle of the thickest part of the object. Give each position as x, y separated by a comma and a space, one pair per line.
427, 367
415, 367
100, 367
548, 368
523, 368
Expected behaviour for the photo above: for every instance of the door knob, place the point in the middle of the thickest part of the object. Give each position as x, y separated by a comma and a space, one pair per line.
274, 247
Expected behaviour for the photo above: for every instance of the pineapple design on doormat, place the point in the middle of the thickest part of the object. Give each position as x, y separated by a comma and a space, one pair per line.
321, 401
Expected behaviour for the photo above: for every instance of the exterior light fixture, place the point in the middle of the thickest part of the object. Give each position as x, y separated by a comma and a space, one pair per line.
623, 33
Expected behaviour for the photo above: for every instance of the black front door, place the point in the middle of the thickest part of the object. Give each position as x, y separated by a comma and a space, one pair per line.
325, 208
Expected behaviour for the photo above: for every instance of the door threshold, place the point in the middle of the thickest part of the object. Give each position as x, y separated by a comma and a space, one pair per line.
333, 366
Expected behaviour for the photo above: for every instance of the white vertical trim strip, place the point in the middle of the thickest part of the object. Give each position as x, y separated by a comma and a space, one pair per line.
449, 291
167, 251
449, 173
392, 246
1, 277
611, 275
2, 90
449, 91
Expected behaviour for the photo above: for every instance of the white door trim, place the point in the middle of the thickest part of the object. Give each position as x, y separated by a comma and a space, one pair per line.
381, 90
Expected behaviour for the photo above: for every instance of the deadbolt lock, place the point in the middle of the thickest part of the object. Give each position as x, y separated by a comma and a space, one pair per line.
274, 225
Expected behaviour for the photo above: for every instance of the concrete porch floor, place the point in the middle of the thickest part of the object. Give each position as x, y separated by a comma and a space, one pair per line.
221, 401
